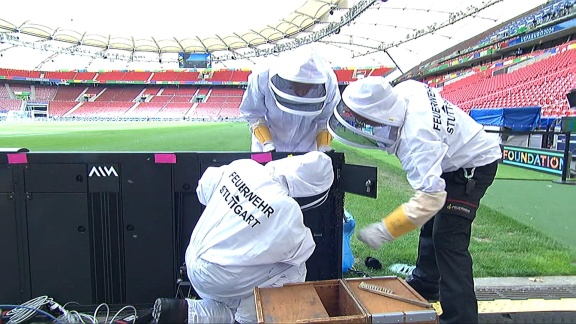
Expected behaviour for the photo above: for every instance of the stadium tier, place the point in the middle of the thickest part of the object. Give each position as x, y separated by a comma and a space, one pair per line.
540, 80
538, 24
344, 75
548, 12
483, 72
137, 94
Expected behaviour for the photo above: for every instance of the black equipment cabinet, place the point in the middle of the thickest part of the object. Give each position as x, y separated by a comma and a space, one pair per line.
56, 223
113, 227
148, 230
10, 274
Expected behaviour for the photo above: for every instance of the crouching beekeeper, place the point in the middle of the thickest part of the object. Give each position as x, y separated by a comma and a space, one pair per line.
251, 234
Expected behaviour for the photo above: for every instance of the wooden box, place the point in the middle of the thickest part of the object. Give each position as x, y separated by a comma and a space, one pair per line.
382, 309
340, 301
325, 301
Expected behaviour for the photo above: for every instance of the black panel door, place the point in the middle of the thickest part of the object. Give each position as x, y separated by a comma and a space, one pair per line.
9, 274
148, 232
59, 246
56, 178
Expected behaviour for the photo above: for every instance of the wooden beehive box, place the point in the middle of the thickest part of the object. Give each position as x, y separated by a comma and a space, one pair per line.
382, 309
325, 301
340, 301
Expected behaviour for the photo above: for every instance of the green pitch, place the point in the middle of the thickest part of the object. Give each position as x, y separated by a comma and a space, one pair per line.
129, 137
503, 243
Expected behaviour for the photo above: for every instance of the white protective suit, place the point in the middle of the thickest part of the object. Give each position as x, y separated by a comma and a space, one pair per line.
289, 130
429, 136
252, 232
438, 134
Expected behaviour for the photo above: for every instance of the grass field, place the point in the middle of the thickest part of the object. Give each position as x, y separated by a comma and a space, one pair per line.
501, 245
130, 137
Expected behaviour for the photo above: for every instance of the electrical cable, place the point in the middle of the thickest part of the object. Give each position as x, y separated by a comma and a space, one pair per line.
69, 316
29, 313
70, 302
19, 315
107, 312
74, 316
22, 313
123, 308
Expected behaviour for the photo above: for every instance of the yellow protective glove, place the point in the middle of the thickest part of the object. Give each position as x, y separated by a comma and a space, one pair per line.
262, 133
323, 141
406, 218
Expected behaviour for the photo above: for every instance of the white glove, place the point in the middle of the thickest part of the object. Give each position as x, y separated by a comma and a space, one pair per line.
375, 235
268, 147
325, 148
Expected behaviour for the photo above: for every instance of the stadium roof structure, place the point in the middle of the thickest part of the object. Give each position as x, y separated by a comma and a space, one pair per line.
111, 35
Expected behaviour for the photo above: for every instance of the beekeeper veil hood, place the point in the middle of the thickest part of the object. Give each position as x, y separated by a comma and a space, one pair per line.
306, 177
299, 83
371, 117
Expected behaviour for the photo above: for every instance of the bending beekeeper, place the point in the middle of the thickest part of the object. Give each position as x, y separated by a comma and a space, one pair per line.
450, 161
287, 106
251, 234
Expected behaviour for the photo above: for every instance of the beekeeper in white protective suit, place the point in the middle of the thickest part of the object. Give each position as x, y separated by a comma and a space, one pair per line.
288, 105
251, 234
450, 161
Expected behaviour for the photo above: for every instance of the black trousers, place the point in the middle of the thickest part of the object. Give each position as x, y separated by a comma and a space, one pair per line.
444, 263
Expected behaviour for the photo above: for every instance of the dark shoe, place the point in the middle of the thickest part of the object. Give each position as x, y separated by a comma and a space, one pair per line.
428, 294
431, 298
169, 310
373, 263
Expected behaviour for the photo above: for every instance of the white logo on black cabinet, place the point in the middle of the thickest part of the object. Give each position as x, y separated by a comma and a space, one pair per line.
103, 171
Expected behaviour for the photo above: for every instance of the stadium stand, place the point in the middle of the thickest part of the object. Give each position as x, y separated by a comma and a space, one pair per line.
57, 109
344, 74
529, 60
85, 76
222, 76
479, 73
10, 104
69, 93
18, 87
470, 88
20, 73
541, 81
65, 75
492, 40
175, 76
43, 93
381, 71
548, 12
241, 75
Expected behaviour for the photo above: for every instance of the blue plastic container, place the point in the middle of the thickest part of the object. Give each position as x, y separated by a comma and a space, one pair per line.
348, 230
